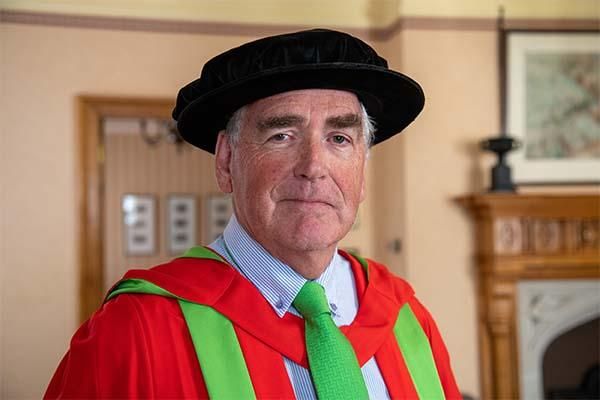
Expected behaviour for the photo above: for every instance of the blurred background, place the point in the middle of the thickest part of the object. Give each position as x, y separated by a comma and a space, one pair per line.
94, 180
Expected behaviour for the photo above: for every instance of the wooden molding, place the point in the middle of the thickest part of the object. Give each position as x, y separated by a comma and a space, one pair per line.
90, 110
521, 237
248, 29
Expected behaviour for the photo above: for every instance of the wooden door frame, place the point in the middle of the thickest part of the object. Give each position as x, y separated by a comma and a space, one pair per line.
90, 185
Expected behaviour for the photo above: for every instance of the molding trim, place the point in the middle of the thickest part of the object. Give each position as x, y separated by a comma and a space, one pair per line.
490, 24
138, 24
591, 24
239, 29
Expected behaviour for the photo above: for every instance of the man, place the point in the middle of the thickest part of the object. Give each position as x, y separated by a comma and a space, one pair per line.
290, 119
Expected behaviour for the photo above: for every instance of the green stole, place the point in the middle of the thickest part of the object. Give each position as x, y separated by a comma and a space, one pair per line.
220, 355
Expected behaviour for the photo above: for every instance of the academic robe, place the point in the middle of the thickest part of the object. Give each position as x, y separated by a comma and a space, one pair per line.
139, 346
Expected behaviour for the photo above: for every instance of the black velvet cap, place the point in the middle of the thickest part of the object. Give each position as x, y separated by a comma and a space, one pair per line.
314, 59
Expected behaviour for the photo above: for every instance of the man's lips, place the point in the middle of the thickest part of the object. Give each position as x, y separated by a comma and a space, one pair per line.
308, 202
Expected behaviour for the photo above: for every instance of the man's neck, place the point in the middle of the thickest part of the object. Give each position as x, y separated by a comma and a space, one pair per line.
309, 263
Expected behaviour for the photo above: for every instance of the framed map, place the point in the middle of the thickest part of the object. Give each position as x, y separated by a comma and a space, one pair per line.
552, 103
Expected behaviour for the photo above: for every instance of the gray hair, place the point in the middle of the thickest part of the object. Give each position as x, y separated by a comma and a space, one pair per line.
234, 126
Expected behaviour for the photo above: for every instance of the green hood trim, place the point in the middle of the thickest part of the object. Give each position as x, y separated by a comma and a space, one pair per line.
415, 348
217, 348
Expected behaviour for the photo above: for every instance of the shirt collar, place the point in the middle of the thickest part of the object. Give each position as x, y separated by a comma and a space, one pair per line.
277, 281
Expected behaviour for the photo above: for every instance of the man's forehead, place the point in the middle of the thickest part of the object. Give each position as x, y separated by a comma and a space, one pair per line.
336, 102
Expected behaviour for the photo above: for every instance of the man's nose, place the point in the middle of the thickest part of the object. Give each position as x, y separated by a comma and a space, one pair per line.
311, 161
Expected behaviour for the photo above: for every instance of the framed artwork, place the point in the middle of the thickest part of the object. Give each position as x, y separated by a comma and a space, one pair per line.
139, 224
218, 209
181, 222
552, 87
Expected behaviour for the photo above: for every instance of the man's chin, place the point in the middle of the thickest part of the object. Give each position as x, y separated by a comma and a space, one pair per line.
313, 238
309, 232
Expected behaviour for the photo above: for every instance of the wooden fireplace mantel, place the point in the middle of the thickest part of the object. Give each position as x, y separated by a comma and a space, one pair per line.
520, 237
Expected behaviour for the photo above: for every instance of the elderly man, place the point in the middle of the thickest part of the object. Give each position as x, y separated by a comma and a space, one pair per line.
273, 309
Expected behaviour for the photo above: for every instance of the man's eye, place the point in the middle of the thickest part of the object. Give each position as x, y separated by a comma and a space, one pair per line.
339, 139
279, 137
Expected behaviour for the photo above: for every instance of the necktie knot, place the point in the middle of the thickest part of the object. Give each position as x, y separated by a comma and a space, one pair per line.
311, 300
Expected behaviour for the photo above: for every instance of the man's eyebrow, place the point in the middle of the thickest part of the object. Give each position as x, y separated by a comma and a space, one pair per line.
280, 121
344, 121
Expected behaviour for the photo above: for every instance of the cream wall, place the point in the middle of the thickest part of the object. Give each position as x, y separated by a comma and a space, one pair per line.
458, 73
43, 70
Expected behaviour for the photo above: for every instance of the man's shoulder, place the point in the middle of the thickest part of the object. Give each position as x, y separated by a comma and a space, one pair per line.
186, 265
119, 352
201, 280
135, 310
131, 311
127, 325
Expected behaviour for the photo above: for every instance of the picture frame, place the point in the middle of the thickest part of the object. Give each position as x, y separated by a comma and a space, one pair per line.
139, 224
218, 208
551, 81
181, 222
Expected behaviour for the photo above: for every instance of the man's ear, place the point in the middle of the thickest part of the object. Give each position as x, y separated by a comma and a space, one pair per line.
223, 163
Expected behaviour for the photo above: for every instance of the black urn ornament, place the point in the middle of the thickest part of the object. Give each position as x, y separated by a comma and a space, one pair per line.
501, 176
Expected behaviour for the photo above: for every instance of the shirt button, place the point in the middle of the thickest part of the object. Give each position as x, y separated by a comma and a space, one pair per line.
279, 304
333, 306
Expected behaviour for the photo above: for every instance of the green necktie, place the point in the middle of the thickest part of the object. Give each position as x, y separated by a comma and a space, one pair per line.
333, 364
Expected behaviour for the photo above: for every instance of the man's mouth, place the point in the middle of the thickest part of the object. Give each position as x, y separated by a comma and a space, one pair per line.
309, 202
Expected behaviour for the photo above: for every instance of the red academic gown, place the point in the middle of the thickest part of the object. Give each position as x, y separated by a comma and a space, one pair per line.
139, 346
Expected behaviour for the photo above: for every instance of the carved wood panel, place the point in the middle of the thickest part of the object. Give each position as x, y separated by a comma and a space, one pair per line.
516, 235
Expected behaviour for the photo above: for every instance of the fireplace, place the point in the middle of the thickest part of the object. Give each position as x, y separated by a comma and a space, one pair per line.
579, 351
538, 278
558, 337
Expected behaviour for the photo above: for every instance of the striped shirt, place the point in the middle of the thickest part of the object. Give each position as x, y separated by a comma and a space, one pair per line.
280, 284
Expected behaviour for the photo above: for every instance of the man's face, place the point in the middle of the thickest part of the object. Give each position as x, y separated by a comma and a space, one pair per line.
297, 172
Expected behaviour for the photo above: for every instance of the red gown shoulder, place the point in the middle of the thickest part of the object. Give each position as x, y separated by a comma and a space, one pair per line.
134, 346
